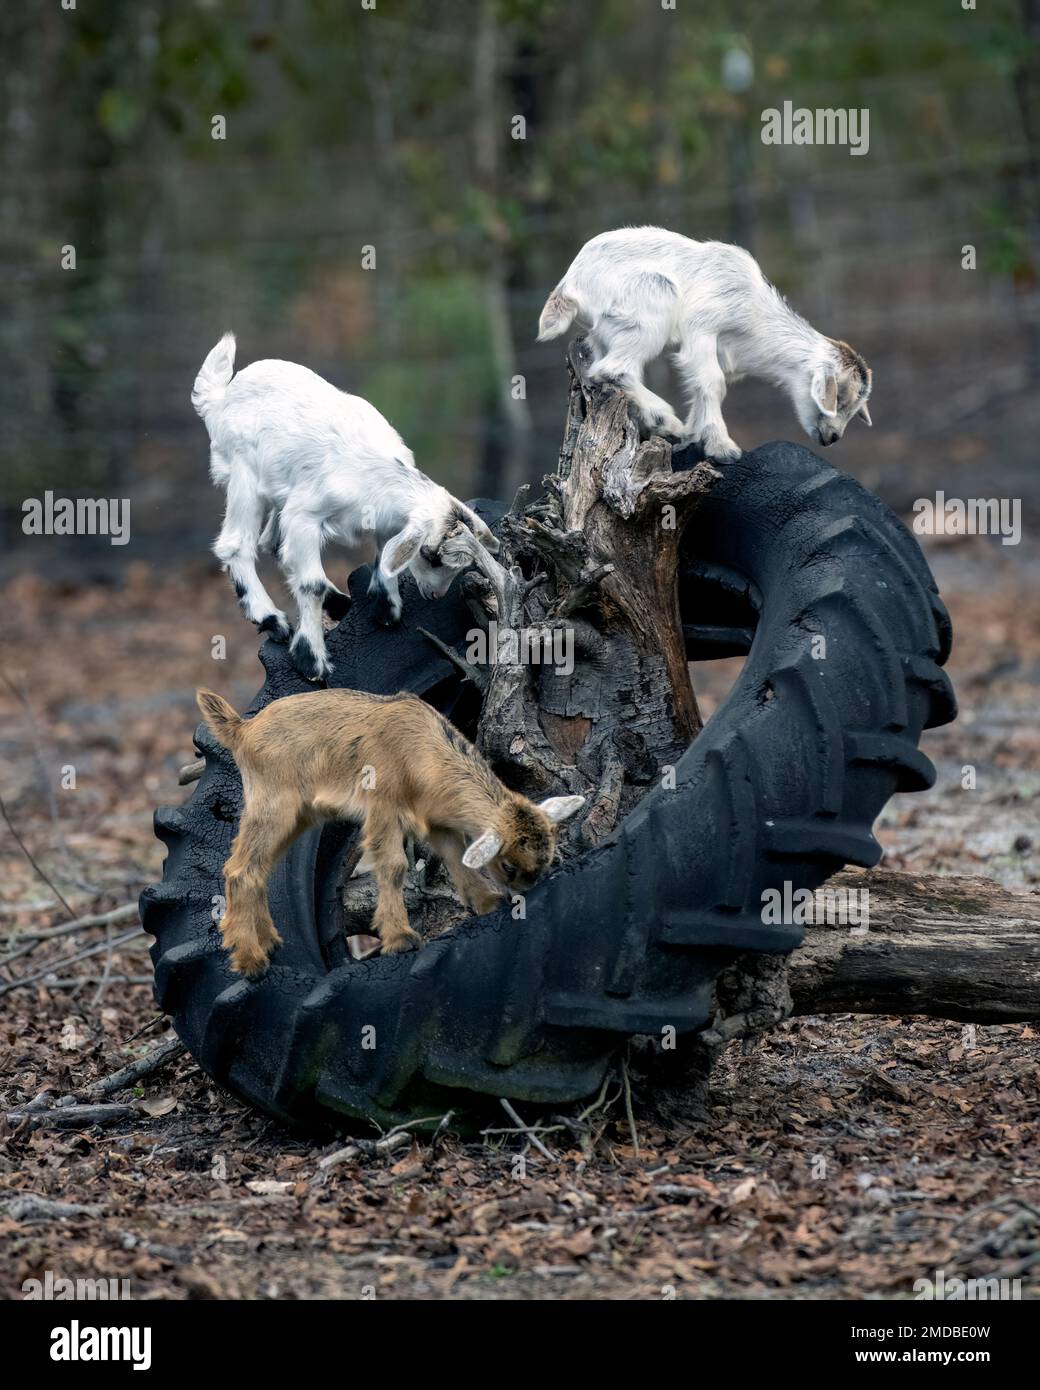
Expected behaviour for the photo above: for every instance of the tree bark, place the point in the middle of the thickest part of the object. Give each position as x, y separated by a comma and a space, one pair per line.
960, 948
595, 560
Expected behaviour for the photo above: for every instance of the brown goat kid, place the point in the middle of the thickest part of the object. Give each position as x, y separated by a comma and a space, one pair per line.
396, 765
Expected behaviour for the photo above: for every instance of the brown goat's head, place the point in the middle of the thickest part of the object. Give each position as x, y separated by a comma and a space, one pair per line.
516, 852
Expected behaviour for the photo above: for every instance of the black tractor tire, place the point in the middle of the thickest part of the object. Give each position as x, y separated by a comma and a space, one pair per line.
789, 561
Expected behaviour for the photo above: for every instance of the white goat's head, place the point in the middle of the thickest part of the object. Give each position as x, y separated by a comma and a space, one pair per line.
438, 550
831, 392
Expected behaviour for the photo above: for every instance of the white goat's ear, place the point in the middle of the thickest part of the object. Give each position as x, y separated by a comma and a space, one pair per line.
865, 413
824, 391
459, 548
401, 550
559, 808
482, 850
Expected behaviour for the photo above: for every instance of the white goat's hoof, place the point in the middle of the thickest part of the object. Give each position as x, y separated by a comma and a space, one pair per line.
307, 661
276, 625
721, 449
669, 426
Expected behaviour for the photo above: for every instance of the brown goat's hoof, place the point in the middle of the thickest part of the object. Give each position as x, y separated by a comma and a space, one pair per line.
250, 964
250, 958
397, 945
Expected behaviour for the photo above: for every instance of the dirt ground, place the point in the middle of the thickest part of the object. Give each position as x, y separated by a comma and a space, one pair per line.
845, 1157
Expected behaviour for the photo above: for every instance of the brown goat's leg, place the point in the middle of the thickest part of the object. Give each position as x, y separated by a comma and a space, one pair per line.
383, 844
472, 887
247, 927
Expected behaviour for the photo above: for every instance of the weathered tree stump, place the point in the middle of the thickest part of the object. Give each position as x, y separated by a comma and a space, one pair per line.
589, 572
595, 559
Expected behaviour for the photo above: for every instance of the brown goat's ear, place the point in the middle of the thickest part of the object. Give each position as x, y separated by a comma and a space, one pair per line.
482, 850
559, 808
401, 550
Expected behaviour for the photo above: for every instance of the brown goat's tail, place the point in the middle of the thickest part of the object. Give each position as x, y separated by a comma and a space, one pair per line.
221, 720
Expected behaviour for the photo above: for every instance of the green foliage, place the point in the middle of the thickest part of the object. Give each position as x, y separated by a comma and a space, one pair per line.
348, 127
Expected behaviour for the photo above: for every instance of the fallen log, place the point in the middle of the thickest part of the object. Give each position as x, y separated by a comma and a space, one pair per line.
944, 947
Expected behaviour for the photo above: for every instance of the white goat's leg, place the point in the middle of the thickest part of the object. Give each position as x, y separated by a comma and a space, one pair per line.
629, 338
630, 345
388, 594
697, 362
236, 547
300, 554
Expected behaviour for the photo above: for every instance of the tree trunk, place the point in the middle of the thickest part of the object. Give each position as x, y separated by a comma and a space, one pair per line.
595, 562
961, 948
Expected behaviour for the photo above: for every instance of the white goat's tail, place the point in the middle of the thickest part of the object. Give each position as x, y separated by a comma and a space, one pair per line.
214, 375
557, 316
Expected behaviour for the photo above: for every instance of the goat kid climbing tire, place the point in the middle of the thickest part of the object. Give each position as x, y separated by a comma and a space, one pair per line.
789, 561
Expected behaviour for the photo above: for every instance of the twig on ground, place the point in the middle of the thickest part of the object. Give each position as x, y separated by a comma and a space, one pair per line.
531, 1129
25, 850
403, 1128
81, 981
167, 1051
6, 988
1020, 1266
29, 1206
106, 974
526, 1129
441, 1129
102, 919
599, 1102
1008, 1199
628, 1106
73, 1116
157, 1018
344, 1155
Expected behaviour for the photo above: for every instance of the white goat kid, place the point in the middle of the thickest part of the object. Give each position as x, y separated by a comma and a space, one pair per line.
304, 463
641, 290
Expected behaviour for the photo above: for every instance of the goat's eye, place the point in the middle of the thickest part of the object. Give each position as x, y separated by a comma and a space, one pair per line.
510, 870
431, 557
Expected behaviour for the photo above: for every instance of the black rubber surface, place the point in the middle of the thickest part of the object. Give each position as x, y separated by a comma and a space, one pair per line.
783, 784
